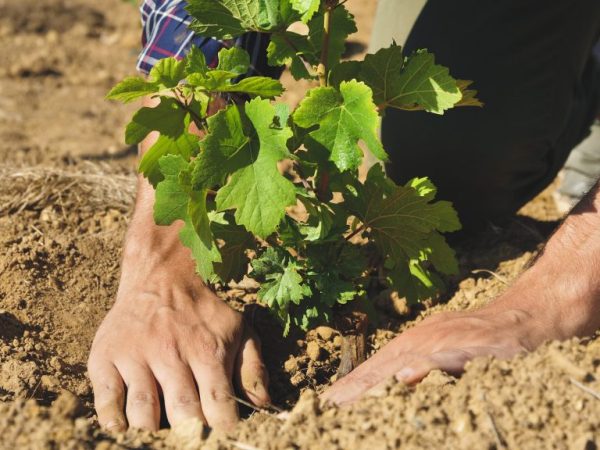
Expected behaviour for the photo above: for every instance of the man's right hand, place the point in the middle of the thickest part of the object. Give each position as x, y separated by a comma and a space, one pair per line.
169, 335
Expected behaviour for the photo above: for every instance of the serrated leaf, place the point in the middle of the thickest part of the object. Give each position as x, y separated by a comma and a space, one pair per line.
400, 221
413, 282
306, 8
195, 62
255, 86
204, 256
342, 26
422, 84
185, 145
171, 199
257, 190
283, 288
226, 19
167, 118
234, 60
213, 18
132, 88
168, 72
236, 242
469, 96
424, 187
222, 148
345, 71
344, 117
441, 255
288, 48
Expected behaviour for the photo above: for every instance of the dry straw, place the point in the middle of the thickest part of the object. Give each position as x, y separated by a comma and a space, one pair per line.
90, 185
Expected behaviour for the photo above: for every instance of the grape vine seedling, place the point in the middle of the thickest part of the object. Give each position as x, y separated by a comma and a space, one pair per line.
315, 235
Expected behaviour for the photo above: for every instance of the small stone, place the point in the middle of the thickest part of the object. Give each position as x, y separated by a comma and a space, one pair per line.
337, 341
399, 304
291, 365
187, 435
49, 382
313, 351
67, 405
325, 333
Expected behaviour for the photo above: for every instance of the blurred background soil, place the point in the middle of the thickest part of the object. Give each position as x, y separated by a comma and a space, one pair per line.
66, 192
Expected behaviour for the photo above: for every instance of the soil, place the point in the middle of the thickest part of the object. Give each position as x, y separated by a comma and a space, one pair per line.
66, 192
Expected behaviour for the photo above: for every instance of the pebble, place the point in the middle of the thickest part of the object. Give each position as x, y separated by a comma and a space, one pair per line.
313, 351
325, 333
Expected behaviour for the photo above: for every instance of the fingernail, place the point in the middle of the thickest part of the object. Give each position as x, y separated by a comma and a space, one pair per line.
405, 374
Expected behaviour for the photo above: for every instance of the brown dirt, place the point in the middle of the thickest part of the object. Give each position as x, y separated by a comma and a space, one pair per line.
66, 190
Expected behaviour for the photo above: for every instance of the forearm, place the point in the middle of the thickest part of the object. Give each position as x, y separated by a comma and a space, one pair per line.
562, 288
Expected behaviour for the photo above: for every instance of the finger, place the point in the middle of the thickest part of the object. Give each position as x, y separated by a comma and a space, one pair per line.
109, 396
216, 395
370, 373
143, 406
180, 393
251, 374
451, 361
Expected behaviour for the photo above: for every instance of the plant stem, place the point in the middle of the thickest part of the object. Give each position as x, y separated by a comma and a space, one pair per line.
323, 68
355, 232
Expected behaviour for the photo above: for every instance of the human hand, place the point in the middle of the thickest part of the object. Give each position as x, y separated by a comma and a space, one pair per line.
170, 336
444, 341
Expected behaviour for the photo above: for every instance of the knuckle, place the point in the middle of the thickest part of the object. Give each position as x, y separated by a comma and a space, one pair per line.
142, 398
220, 394
184, 401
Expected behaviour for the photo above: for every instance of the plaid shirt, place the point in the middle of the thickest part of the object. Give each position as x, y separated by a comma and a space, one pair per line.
166, 33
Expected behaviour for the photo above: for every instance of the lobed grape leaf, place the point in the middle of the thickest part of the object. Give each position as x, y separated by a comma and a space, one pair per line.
167, 118
342, 25
226, 19
400, 221
306, 8
132, 88
246, 143
344, 118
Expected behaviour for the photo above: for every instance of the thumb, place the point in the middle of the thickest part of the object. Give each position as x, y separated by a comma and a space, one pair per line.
251, 374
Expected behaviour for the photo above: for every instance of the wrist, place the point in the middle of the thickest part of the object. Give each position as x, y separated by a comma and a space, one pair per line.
561, 302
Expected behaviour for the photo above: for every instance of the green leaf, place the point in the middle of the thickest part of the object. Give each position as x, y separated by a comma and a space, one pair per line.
344, 117
413, 282
213, 18
132, 88
288, 48
342, 25
236, 243
283, 288
255, 86
223, 148
167, 118
421, 85
469, 96
257, 191
306, 8
440, 254
424, 187
400, 221
345, 71
171, 198
185, 145
195, 62
168, 72
205, 256
226, 19
234, 60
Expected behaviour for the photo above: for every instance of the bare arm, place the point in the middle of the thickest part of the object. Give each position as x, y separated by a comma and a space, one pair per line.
557, 298
169, 335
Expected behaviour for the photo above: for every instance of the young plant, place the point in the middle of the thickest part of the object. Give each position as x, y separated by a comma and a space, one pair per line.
314, 235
